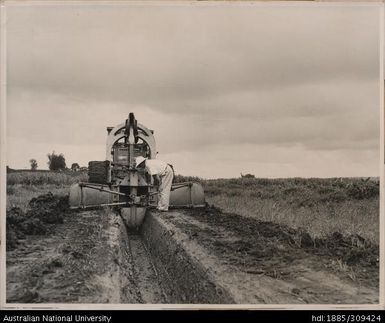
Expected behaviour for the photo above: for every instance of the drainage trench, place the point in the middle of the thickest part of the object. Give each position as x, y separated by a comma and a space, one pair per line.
139, 280
156, 268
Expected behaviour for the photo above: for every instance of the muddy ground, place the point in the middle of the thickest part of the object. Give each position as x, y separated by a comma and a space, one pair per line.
59, 256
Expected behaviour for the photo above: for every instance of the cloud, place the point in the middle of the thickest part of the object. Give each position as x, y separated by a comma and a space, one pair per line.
210, 80
199, 52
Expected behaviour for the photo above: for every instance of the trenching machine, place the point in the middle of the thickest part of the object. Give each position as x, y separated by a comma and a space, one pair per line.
118, 182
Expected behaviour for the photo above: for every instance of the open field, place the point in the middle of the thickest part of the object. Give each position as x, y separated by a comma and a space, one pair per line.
261, 241
320, 206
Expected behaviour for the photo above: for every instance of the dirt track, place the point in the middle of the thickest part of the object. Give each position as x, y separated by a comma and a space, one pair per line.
198, 256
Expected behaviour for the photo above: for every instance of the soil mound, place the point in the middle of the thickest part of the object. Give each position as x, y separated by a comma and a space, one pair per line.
43, 210
48, 208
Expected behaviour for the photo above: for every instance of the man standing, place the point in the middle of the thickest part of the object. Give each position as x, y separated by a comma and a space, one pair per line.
163, 173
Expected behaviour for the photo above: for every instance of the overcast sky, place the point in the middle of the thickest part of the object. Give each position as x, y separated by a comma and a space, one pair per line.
273, 91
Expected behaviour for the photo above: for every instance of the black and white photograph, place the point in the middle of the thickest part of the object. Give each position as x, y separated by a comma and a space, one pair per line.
158, 154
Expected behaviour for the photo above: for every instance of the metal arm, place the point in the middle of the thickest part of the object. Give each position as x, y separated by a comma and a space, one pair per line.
101, 189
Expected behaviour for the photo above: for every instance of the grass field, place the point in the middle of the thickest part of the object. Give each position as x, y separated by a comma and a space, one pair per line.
320, 206
296, 207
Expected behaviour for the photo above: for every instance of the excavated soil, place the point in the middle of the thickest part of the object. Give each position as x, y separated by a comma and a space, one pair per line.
43, 210
263, 262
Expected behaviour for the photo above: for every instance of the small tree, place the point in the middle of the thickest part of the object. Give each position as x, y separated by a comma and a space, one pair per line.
75, 167
56, 161
33, 163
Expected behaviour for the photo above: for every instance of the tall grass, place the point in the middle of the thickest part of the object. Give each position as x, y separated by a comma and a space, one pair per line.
299, 191
44, 178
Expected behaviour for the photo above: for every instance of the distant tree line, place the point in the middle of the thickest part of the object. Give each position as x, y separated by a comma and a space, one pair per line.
56, 162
